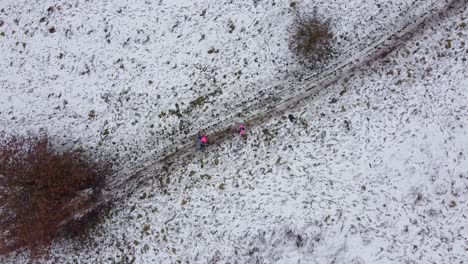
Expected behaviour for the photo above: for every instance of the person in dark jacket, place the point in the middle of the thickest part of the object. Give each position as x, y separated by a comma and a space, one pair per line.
199, 143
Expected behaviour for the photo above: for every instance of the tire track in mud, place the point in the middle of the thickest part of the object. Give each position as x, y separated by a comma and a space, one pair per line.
269, 105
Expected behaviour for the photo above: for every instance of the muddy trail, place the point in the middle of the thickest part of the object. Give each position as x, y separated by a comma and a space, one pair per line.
282, 98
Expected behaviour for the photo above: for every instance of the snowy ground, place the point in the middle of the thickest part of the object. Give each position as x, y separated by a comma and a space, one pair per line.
374, 169
127, 78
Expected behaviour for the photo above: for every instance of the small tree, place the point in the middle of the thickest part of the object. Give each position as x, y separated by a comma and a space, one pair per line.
311, 39
43, 192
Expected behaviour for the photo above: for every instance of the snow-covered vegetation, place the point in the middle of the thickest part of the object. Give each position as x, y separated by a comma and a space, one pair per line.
372, 169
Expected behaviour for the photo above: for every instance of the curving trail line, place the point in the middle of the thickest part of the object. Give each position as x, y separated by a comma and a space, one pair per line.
280, 99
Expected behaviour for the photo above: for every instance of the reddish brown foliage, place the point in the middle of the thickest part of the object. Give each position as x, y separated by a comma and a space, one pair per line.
42, 192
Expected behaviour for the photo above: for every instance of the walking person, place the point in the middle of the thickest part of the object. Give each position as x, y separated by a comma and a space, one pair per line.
201, 142
241, 129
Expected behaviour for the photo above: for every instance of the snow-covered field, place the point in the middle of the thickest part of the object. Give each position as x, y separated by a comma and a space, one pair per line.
373, 170
128, 78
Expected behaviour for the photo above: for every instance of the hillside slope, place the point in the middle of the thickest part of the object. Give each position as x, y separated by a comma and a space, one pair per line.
373, 169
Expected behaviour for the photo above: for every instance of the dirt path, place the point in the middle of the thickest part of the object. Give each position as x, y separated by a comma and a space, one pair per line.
281, 99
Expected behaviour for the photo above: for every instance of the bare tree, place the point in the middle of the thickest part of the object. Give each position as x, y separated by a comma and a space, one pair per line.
42, 192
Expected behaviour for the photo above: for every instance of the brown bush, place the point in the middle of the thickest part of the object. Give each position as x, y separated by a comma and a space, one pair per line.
311, 38
43, 192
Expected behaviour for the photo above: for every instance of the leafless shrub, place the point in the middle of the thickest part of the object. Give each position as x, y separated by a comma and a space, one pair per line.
311, 39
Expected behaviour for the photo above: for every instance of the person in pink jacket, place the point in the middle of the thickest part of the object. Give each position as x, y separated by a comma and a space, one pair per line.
204, 139
241, 129
201, 141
